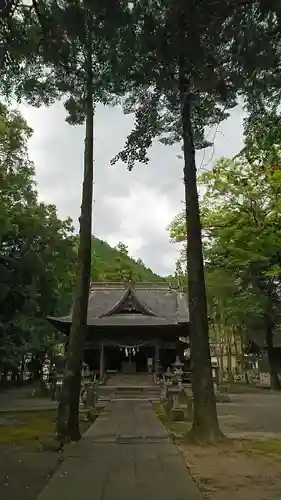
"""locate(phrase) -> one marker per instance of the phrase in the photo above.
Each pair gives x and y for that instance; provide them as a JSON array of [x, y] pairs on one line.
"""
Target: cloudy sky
[[133, 207]]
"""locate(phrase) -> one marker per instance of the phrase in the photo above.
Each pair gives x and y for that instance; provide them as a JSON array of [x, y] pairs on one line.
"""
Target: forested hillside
[[38, 255], [114, 264]]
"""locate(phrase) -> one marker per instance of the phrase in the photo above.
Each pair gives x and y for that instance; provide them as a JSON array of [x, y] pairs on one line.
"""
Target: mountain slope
[[114, 264]]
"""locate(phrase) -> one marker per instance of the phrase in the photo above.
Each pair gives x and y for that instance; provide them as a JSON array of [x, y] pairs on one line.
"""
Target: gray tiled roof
[[102, 301], [160, 302], [168, 305]]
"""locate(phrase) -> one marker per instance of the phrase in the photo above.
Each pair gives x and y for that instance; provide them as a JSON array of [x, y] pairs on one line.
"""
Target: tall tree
[[233, 309], [181, 85], [37, 256], [86, 76], [178, 90], [69, 57], [81, 108], [194, 58], [241, 220]]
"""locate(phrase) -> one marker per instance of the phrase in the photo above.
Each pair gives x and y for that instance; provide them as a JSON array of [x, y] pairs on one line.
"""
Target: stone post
[[101, 361]]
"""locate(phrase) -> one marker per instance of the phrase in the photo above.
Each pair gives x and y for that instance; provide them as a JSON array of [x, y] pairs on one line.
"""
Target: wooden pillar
[[101, 361], [65, 347], [156, 355]]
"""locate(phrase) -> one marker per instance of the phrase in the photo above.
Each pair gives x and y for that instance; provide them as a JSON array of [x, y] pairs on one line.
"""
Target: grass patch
[[232, 421], [177, 430], [243, 388], [36, 427], [268, 447], [19, 428]]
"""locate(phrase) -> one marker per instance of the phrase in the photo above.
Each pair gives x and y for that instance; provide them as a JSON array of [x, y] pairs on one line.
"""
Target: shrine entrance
[[128, 358], [132, 327]]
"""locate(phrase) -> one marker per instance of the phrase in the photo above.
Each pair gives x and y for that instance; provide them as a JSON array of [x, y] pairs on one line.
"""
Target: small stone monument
[[172, 405], [59, 382], [177, 371], [173, 390]]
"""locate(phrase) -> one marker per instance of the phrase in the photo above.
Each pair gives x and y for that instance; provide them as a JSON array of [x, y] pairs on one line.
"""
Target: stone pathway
[[125, 455]]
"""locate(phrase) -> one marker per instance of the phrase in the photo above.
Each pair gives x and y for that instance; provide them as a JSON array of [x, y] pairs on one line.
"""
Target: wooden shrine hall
[[132, 327]]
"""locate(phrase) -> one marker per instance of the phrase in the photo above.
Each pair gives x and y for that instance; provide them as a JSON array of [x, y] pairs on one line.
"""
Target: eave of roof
[[153, 301], [117, 285], [126, 320]]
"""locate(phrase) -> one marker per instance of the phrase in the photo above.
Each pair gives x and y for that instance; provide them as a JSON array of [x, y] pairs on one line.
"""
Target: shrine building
[[132, 327]]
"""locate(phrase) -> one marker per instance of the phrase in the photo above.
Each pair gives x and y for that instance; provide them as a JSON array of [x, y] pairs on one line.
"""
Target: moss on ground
[[20, 428], [242, 388], [177, 430], [265, 447], [36, 427]]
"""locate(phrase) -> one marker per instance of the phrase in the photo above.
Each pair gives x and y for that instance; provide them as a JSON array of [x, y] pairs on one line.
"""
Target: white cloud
[[144, 215], [144, 209], [133, 207]]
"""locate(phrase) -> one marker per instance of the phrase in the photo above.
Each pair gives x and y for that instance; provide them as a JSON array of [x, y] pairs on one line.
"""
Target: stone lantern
[[177, 371]]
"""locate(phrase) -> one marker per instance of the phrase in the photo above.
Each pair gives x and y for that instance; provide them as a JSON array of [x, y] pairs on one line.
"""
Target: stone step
[[153, 399], [139, 393], [105, 400], [133, 390], [107, 393], [130, 387]]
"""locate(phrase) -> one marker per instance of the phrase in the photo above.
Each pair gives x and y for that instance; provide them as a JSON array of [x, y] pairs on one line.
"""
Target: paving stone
[[124, 455]]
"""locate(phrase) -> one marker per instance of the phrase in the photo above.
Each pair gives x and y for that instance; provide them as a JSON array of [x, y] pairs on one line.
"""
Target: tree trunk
[[221, 348], [205, 421], [68, 411], [223, 339], [274, 380], [222, 358], [228, 341], [229, 364], [237, 352], [243, 362], [22, 368], [219, 352]]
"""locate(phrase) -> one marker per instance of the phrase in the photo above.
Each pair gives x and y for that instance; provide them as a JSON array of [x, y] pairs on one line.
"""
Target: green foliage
[[263, 138], [182, 86], [37, 257], [46, 53], [179, 279], [241, 212], [241, 224], [114, 264]]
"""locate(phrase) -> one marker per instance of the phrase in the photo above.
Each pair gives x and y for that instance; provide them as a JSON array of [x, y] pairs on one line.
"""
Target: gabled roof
[[133, 303], [129, 303]]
